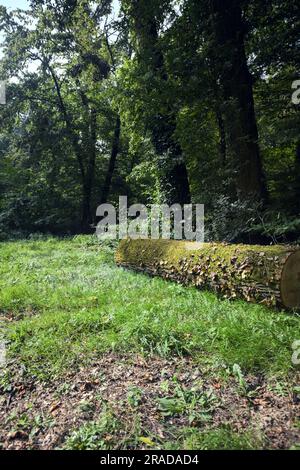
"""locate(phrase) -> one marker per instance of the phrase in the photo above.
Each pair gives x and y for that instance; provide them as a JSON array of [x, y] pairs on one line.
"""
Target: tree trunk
[[163, 125], [222, 133], [297, 178], [265, 274], [175, 179], [229, 30], [112, 162], [88, 182], [86, 175], [86, 219]]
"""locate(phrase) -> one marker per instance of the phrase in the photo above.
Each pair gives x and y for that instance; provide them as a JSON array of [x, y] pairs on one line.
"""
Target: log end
[[290, 281]]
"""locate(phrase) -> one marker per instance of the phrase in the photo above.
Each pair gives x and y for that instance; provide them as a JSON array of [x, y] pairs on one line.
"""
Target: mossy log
[[265, 274]]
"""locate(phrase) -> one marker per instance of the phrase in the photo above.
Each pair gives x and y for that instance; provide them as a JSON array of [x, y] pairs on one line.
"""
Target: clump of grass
[[81, 305], [107, 433], [94, 435], [223, 438]]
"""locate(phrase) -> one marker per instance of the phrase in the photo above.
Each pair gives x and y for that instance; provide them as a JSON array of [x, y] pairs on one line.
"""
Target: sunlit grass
[[222, 438], [71, 304]]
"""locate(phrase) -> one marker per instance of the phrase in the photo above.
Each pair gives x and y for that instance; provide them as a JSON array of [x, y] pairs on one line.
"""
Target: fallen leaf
[[147, 440], [54, 406]]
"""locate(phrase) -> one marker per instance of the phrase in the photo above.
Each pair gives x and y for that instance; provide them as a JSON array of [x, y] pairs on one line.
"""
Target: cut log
[[265, 274]]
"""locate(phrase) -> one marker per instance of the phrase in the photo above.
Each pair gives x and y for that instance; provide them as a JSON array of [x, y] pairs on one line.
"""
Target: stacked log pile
[[265, 274]]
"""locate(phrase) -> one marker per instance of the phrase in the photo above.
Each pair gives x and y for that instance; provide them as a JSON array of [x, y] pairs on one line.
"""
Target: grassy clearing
[[72, 303], [65, 304]]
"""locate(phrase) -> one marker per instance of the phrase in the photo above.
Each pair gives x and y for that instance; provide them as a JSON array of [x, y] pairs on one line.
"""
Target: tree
[[70, 49], [145, 18], [229, 30]]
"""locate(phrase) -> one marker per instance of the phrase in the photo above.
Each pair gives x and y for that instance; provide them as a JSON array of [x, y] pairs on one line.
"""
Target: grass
[[107, 434], [67, 304], [70, 303], [95, 435], [100, 435], [223, 438]]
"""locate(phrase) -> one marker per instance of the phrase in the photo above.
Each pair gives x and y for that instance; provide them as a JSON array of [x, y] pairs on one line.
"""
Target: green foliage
[[237, 372], [134, 396], [94, 435], [195, 403], [158, 67], [72, 70]]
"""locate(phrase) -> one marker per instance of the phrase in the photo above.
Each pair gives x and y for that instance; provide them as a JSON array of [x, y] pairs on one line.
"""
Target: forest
[[145, 344], [161, 101]]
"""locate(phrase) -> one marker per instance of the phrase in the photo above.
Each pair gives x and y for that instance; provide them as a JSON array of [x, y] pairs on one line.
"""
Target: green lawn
[[64, 304]]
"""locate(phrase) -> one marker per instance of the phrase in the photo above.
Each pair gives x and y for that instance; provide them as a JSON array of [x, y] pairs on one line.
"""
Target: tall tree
[[229, 30], [145, 18]]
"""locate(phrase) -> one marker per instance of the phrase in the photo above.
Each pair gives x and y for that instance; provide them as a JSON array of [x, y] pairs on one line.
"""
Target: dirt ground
[[40, 416]]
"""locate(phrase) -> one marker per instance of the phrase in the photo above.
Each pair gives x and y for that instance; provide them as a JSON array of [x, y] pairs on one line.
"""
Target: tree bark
[[297, 177], [229, 32], [112, 162], [88, 184], [163, 125], [222, 133]]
